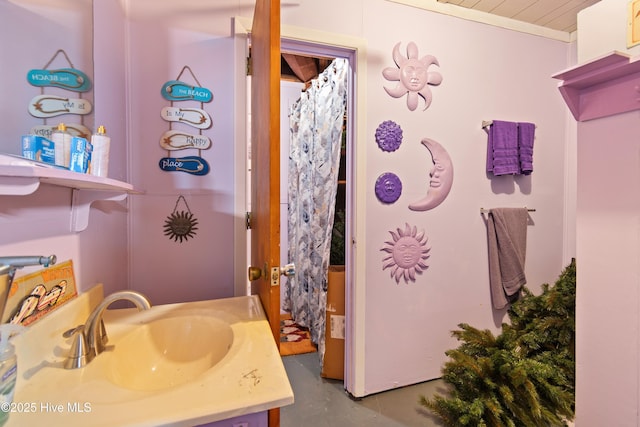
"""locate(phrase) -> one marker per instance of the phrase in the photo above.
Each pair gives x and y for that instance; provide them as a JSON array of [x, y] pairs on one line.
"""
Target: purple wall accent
[[388, 187]]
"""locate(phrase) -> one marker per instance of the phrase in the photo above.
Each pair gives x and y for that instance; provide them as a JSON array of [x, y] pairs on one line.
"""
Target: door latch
[[288, 270]]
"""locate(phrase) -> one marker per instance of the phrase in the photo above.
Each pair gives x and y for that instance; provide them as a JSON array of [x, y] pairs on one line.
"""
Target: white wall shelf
[[606, 86], [19, 177]]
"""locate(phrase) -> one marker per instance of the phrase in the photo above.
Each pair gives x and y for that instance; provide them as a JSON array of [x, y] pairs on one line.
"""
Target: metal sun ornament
[[180, 225], [413, 76], [407, 254]]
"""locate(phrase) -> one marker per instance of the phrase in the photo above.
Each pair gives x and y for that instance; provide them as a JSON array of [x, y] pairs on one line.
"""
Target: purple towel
[[502, 148], [526, 135]]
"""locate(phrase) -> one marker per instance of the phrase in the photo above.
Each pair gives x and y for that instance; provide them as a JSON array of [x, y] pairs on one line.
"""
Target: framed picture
[[32, 296], [633, 30]]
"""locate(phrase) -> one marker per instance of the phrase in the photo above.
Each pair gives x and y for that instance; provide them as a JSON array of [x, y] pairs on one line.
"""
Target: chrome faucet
[[91, 338]]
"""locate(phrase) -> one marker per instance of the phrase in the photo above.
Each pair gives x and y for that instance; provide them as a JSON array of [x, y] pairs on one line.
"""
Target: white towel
[[507, 241]]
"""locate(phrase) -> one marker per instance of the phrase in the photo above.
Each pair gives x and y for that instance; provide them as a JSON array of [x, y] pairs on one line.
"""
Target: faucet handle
[[79, 352]]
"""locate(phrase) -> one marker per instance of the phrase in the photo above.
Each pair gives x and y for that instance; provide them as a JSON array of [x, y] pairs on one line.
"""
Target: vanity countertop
[[249, 379]]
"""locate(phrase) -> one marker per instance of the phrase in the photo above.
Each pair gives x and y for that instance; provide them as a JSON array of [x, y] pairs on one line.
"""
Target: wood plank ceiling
[[555, 14]]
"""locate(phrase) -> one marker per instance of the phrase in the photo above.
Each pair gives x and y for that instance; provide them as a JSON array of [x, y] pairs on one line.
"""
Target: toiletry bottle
[[8, 369], [62, 141], [100, 153]]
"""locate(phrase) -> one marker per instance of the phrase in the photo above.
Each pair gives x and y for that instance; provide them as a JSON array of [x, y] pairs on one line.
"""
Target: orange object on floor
[[294, 339]]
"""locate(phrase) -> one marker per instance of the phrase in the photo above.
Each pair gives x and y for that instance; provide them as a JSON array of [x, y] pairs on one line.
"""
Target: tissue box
[[80, 154], [38, 148]]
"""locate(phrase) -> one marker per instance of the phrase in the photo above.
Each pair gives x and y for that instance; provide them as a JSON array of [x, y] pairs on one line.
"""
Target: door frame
[[302, 40]]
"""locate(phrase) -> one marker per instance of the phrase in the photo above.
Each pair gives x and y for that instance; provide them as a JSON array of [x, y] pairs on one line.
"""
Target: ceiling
[[554, 14], [558, 15]]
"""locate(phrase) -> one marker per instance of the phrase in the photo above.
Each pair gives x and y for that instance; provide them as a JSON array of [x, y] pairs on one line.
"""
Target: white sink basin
[[168, 352], [175, 365]]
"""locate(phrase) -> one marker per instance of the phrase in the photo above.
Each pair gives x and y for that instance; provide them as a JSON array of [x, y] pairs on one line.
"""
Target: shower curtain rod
[[483, 210]]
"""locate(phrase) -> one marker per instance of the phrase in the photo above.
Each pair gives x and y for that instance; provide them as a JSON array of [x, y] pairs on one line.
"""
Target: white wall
[[202, 266], [602, 28], [607, 300], [39, 224], [482, 81], [607, 346]]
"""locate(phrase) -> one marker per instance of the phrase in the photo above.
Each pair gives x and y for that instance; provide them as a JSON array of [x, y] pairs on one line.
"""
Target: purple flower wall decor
[[413, 76], [389, 135], [388, 187], [406, 254]]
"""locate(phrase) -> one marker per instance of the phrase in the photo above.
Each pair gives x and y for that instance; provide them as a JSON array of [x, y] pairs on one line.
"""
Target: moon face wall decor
[[441, 177], [413, 76], [406, 254]]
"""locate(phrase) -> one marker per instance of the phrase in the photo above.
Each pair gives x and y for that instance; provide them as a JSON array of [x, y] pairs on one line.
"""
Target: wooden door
[[265, 164], [265, 157]]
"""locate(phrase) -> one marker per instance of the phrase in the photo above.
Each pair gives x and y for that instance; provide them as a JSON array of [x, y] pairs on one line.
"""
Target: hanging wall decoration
[[75, 129], [180, 225], [177, 140], [407, 254], [174, 140], [65, 78], [440, 177], [195, 117], [46, 105], [175, 90], [413, 76], [389, 136], [43, 106], [388, 187], [194, 165]]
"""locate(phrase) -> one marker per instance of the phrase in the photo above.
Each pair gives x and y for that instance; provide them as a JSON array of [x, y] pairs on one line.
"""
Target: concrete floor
[[321, 402]]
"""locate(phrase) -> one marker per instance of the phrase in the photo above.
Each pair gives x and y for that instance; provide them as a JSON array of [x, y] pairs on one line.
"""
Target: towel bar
[[483, 210], [487, 123]]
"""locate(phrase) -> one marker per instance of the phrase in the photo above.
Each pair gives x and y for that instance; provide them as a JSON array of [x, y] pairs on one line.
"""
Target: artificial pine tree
[[522, 377]]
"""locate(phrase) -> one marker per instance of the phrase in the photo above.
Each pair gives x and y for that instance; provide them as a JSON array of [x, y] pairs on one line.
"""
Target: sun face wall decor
[[389, 136], [406, 254], [180, 225], [388, 187], [413, 76]]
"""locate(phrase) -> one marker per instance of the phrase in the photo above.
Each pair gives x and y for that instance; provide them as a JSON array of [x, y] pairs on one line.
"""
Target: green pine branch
[[525, 376]]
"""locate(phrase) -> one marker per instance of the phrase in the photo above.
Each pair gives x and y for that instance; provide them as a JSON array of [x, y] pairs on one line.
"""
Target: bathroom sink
[[167, 352], [182, 364]]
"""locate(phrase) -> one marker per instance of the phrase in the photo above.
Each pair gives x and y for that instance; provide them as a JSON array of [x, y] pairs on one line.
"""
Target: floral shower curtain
[[316, 122]]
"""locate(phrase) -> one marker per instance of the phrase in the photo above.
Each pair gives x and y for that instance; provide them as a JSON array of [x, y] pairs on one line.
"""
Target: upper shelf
[[20, 176], [603, 87]]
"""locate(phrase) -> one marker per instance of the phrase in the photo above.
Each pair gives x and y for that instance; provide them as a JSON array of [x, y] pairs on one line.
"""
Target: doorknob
[[288, 270], [254, 273]]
